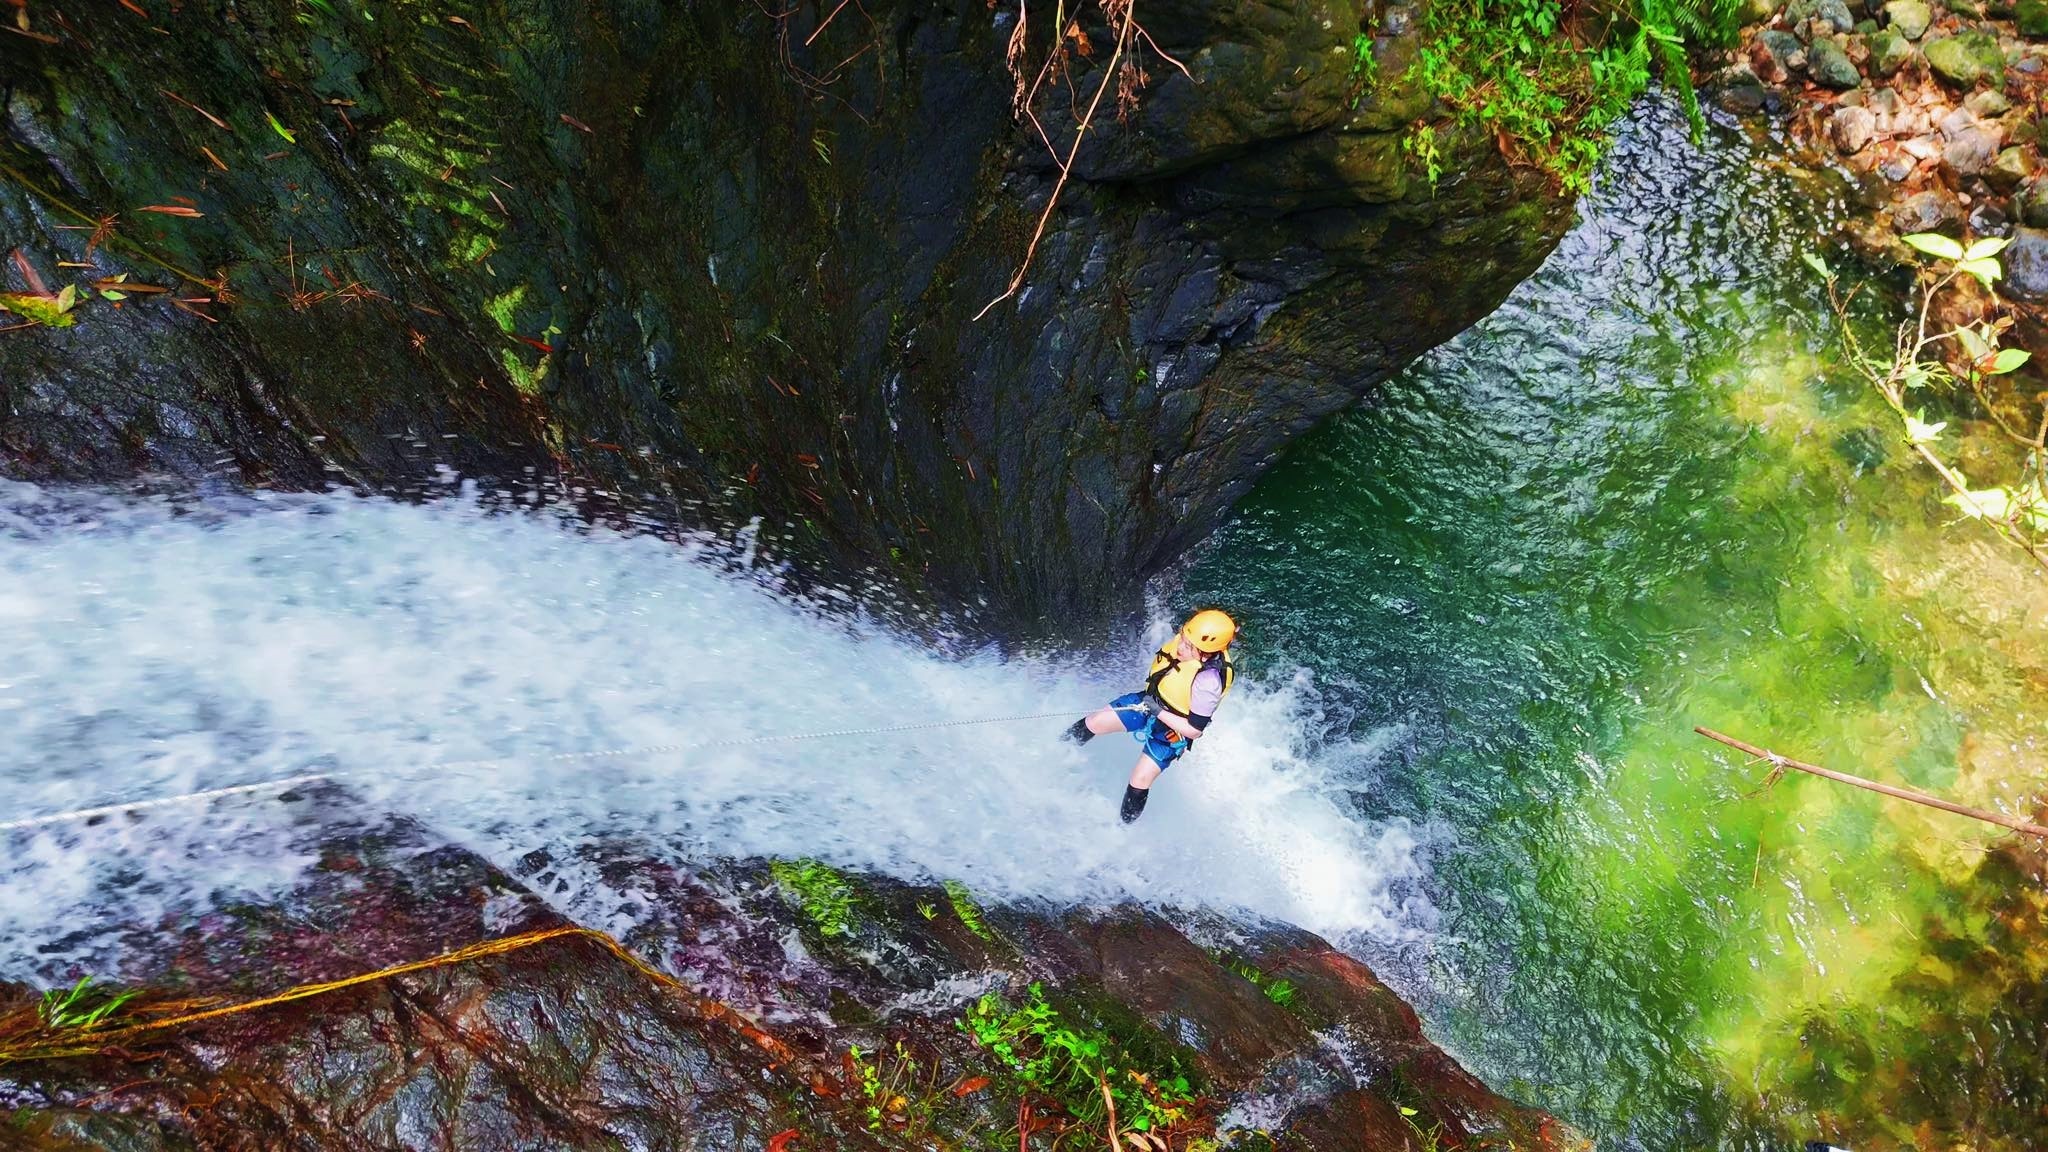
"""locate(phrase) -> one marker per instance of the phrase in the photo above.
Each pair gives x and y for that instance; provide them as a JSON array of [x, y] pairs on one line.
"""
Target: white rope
[[646, 750]]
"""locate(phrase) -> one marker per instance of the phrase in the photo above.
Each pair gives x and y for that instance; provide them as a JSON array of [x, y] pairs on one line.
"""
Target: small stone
[[1851, 129], [1898, 167], [1890, 52], [1833, 13], [1934, 210], [2026, 265], [1796, 61], [1967, 9], [1909, 18], [1989, 104], [1921, 148], [1758, 11], [1779, 49], [1970, 152], [2033, 204], [2007, 171], [1956, 121], [2032, 17], [1866, 27], [1830, 67], [1990, 219], [1967, 59], [1883, 101]]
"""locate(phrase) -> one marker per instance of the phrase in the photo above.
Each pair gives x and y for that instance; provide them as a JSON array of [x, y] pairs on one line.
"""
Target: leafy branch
[[1966, 355]]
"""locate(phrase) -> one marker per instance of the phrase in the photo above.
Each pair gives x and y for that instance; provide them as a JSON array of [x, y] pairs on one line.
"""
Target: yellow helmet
[[1210, 630]]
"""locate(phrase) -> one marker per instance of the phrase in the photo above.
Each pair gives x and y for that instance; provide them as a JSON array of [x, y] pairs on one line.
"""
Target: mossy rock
[[2031, 16], [1967, 59]]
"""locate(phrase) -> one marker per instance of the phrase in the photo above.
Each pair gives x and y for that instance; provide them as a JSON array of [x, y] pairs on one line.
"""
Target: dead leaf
[[579, 125], [781, 1141], [172, 210], [970, 1087]]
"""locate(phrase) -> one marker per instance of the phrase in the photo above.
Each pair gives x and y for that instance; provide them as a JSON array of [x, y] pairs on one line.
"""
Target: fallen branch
[[1780, 763]]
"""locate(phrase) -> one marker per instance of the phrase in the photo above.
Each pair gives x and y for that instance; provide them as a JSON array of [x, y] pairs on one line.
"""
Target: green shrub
[[1513, 69]]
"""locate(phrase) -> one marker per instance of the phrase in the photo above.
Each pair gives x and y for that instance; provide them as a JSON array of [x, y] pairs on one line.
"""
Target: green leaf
[[1918, 431], [1935, 244], [1985, 270], [285, 132], [1973, 344], [1985, 249], [68, 298], [1819, 265], [37, 309], [110, 294], [2009, 359], [1994, 503], [1407, 1111]]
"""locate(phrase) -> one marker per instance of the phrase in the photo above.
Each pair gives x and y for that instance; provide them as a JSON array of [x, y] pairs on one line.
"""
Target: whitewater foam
[[154, 647]]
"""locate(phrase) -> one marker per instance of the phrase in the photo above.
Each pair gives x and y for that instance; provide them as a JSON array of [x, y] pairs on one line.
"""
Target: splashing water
[[160, 647]]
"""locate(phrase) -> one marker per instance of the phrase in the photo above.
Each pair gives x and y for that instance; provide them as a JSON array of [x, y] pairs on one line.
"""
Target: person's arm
[[1184, 726]]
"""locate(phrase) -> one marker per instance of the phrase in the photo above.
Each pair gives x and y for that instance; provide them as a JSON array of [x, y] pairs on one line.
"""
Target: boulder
[[1774, 55], [2009, 169], [1934, 210], [1909, 18], [2033, 204], [1833, 13], [2026, 265], [1970, 151], [1988, 104], [1966, 59], [1851, 129], [1829, 65], [1759, 11], [673, 219], [1889, 52]]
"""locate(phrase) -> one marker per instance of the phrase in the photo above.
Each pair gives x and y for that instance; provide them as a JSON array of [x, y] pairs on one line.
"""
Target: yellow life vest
[[1172, 679]]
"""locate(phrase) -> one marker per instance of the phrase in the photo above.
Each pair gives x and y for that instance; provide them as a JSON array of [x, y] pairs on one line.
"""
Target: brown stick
[[1778, 761], [1109, 1102], [1123, 40]]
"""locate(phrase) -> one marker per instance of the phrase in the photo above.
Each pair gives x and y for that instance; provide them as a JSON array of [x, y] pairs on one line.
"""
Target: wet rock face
[[799, 1004], [700, 250]]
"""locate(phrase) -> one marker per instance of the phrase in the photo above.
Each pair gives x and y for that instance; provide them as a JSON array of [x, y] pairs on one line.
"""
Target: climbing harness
[[544, 758]]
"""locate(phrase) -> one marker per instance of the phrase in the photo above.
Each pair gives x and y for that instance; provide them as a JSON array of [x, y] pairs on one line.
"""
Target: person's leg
[[1124, 714], [1139, 789]]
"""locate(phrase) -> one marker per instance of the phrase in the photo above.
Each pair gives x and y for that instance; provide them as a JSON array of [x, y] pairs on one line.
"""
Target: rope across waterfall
[[544, 757]]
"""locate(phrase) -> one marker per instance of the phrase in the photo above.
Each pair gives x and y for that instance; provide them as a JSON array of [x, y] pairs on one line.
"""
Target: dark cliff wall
[[684, 246]]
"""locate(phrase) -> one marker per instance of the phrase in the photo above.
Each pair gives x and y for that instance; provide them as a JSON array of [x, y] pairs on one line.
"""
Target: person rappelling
[[1190, 675]]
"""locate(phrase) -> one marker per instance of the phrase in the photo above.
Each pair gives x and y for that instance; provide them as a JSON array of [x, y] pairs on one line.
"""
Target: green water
[[1638, 498]]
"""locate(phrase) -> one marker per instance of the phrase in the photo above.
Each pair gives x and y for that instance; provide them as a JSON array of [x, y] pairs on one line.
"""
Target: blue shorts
[[1162, 744]]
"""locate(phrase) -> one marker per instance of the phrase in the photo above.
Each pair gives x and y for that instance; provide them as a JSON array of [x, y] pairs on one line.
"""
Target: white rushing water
[[153, 647]]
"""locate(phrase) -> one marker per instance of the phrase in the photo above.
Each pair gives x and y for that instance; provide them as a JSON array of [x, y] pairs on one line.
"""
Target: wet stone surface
[[778, 1005]]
